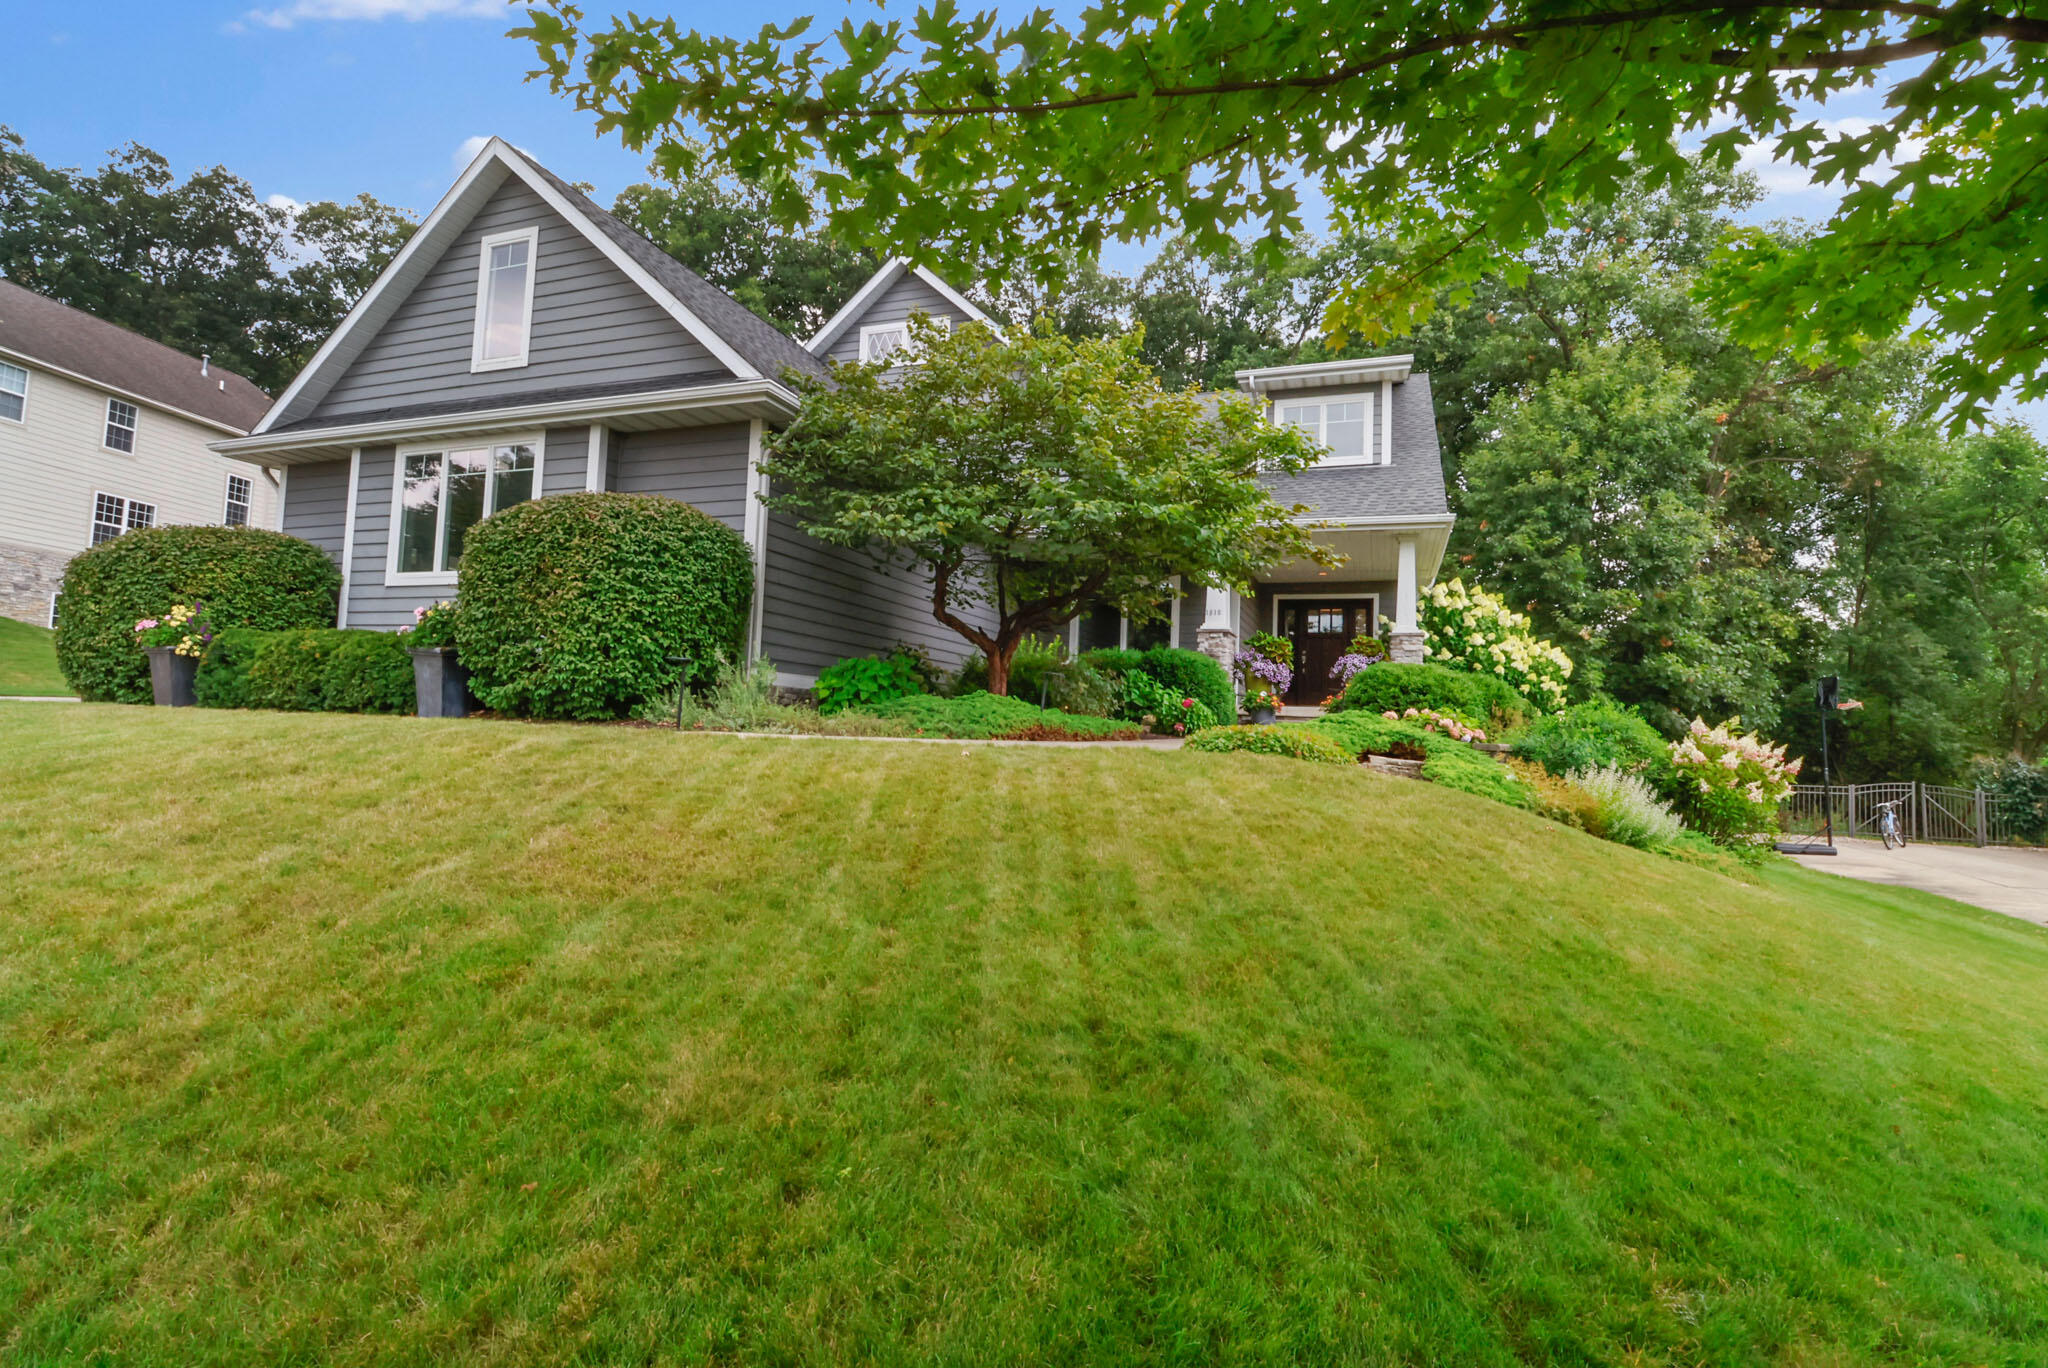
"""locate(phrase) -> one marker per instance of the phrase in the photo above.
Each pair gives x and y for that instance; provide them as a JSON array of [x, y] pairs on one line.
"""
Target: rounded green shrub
[[308, 670], [245, 576], [864, 681], [1597, 734], [1296, 743], [572, 604], [1453, 764], [368, 672], [1390, 687]]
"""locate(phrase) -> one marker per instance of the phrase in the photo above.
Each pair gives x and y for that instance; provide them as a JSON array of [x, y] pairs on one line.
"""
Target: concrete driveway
[[2000, 878]]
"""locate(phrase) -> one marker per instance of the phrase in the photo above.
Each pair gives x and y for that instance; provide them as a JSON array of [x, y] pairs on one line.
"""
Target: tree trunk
[[999, 672]]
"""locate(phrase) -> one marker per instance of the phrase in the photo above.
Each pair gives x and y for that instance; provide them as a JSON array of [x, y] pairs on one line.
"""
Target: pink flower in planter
[[145, 624]]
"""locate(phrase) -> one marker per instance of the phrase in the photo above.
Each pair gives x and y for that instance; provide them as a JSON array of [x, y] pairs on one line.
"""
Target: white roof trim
[[576, 411], [35, 362], [428, 237], [892, 270], [1323, 374]]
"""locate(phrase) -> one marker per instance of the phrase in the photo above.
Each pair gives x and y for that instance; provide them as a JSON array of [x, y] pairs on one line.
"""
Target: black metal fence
[[1927, 812]]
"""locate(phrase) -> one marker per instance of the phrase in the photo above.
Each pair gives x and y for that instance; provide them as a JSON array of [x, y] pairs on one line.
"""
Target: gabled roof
[[892, 271], [745, 345], [60, 338]]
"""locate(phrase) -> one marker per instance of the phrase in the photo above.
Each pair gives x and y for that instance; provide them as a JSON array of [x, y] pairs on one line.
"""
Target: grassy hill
[[28, 660], [344, 1040]]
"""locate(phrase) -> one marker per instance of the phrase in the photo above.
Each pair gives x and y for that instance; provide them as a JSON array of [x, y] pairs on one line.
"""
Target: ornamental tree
[[1031, 475], [1462, 130]]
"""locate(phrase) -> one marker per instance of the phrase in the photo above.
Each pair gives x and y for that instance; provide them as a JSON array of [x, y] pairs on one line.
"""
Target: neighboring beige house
[[103, 430]]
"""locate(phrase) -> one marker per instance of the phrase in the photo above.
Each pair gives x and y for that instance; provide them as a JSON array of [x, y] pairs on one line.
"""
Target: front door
[[1320, 632]]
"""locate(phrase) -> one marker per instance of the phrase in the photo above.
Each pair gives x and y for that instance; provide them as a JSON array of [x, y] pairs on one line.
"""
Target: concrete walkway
[[1999, 878], [36, 698]]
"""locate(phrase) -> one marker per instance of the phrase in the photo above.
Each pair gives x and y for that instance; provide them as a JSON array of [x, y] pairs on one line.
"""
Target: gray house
[[526, 343]]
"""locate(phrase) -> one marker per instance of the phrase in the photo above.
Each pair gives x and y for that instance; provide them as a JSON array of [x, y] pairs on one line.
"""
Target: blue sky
[[320, 99]]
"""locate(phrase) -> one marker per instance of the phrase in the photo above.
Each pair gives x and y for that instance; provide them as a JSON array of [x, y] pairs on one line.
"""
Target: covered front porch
[[1374, 590]]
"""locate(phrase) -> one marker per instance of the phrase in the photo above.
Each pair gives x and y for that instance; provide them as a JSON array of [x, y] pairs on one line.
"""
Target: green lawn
[[346, 1040], [28, 660]]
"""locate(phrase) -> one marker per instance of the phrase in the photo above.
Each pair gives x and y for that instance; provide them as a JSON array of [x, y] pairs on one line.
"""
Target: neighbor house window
[[1341, 426], [237, 514], [120, 425], [504, 299], [878, 341], [13, 392], [113, 515], [442, 494]]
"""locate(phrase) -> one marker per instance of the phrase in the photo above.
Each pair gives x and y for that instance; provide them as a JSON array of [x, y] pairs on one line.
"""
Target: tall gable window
[[504, 300], [13, 392], [879, 341], [445, 491], [120, 425], [1340, 424]]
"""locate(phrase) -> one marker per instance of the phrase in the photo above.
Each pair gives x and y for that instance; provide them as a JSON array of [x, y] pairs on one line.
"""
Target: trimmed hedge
[[1188, 674], [1295, 743], [1453, 764], [326, 670], [1592, 735], [246, 577], [1389, 686], [571, 604], [984, 716]]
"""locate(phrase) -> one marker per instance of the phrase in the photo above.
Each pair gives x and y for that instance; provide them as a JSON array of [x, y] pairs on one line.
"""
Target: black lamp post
[[681, 662], [1825, 695]]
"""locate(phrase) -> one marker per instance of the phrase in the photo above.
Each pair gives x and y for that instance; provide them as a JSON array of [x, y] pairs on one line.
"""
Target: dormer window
[[879, 341], [504, 300], [1340, 424]]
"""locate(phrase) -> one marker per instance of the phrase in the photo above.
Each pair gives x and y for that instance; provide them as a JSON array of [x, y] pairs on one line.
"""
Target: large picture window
[[504, 300], [1341, 425], [444, 492]]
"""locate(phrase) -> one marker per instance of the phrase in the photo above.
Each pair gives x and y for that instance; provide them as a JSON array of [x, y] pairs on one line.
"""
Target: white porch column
[[1217, 636], [1404, 643]]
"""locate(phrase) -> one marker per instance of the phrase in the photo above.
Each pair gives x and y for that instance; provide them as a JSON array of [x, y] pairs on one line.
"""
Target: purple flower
[[1251, 665], [1349, 665]]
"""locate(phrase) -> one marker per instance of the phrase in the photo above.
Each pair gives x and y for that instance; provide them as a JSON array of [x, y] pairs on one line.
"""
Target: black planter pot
[[440, 684], [1262, 717], [171, 676]]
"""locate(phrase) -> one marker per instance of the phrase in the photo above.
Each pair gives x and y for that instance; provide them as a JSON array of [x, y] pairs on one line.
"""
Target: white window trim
[[107, 422], [392, 574], [1278, 599], [227, 500], [944, 323], [26, 386], [531, 237], [1373, 447], [1123, 625], [51, 620], [127, 504]]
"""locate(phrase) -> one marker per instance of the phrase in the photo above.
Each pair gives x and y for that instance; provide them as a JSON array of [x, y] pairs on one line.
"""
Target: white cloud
[[312, 11], [1790, 181], [284, 202], [466, 152]]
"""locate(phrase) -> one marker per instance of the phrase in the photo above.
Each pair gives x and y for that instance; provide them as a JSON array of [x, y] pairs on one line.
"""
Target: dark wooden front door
[[1320, 632]]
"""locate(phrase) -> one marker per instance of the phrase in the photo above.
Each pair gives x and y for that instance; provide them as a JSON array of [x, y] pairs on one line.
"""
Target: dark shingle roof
[[765, 346], [70, 339], [1412, 486]]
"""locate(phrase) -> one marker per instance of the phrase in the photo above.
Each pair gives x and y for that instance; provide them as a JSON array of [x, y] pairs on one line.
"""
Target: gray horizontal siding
[[704, 466], [590, 323], [906, 296], [370, 602], [316, 505], [562, 468], [823, 604]]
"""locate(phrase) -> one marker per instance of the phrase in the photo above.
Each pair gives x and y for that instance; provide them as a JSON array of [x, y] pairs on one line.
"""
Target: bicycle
[[1888, 825]]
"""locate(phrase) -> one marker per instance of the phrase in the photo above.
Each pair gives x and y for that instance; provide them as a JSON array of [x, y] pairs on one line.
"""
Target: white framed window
[[1102, 626], [504, 299], [120, 425], [1341, 424], [237, 511], [440, 492], [880, 341], [112, 515], [13, 393]]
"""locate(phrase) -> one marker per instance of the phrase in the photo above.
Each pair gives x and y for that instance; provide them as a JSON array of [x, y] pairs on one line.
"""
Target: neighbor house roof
[[60, 338]]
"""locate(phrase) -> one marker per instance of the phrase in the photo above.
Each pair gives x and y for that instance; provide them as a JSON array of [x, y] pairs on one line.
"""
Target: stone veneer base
[[28, 578]]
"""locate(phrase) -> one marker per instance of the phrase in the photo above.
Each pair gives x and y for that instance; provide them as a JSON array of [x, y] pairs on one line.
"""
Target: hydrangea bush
[[1470, 629], [1729, 784]]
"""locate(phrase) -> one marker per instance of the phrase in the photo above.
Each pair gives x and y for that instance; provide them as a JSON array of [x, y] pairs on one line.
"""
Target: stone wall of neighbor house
[[28, 579]]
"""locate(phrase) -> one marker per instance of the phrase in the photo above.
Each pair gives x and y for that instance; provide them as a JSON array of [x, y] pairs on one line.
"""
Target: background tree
[[201, 265], [1033, 475], [1460, 132]]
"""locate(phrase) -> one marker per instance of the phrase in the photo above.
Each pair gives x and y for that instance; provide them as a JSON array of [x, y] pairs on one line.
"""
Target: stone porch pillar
[[1404, 643], [1217, 636]]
